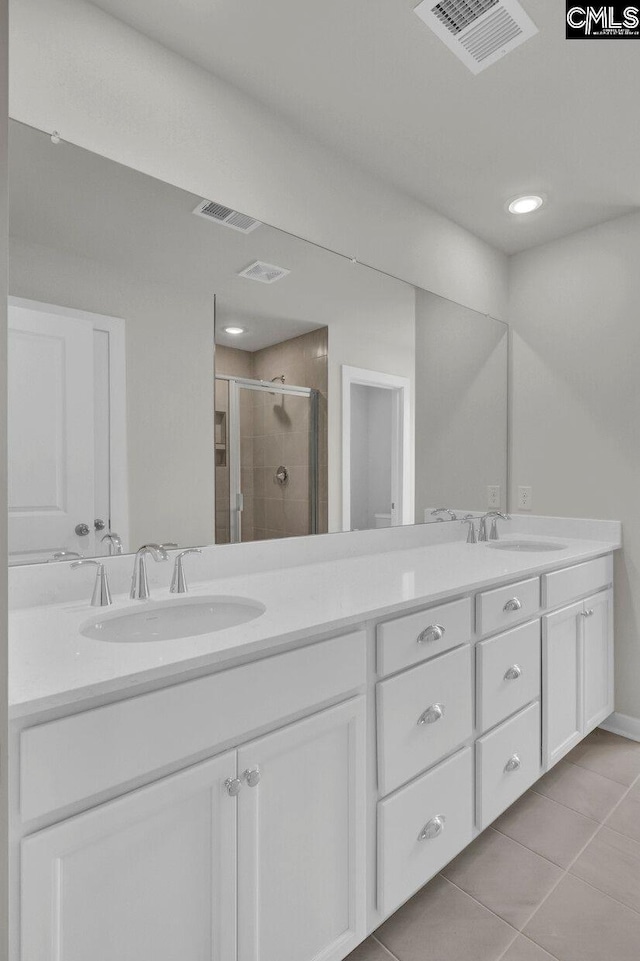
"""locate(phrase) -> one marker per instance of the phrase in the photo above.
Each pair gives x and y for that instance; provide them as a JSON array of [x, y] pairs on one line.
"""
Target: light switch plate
[[525, 499]]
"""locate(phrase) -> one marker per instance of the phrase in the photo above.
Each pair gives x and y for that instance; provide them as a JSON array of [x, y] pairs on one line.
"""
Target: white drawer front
[[71, 759], [507, 605], [422, 827], [408, 640], [561, 587], [507, 673], [507, 763], [423, 714]]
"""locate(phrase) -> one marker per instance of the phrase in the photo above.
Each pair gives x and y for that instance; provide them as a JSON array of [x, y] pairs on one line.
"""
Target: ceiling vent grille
[[479, 32], [264, 273], [210, 210]]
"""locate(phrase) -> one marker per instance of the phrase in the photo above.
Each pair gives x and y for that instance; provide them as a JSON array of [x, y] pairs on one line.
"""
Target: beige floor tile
[[579, 923], [608, 754], [524, 950], [504, 876], [440, 923], [546, 827], [626, 817], [611, 863], [369, 950], [584, 791]]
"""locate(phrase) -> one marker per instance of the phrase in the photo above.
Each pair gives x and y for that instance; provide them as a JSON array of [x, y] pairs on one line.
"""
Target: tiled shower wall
[[275, 432]]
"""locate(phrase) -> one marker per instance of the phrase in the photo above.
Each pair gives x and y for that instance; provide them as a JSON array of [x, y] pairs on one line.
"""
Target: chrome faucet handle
[[63, 556], [101, 596], [471, 534], [178, 581], [139, 582], [114, 541], [444, 510]]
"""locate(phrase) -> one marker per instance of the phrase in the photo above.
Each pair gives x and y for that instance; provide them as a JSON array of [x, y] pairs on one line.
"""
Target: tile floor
[[555, 878]]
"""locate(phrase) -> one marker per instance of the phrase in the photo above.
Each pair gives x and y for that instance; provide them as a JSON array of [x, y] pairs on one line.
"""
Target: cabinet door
[[597, 628], [301, 841], [561, 686], [151, 875]]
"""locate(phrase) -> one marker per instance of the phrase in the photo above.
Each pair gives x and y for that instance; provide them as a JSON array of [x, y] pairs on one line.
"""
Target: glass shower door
[[273, 460]]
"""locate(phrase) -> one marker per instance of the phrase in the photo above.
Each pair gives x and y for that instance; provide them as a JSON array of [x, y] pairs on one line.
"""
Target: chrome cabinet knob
[[513, 764], [432, 828], [514, 604], [432, 714], [252, 776], [588, 613], [82, 530], [432, 633], [233, 786], [513, 673]]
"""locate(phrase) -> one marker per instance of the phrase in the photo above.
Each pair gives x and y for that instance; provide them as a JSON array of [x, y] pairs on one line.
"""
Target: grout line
[[383, 946], [483, 906]]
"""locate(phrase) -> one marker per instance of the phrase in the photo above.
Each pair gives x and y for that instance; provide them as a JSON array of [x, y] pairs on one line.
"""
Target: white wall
[[575, 417], [109, 89], [371, 425], [169, 342], [4, 948]]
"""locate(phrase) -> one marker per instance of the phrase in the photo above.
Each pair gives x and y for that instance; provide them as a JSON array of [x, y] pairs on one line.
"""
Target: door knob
[[99, 524], [82, 530]]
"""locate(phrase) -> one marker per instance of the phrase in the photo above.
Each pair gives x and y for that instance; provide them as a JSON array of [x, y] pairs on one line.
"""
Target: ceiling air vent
[[226, 216], [478, 31], [264, 273]]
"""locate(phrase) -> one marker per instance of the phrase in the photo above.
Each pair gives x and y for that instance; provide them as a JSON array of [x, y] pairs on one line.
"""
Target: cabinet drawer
[[507, 673], [423, 714], [507, 605], [407, 640], [560, 587], [507, 763], [422, 827], [74, 758]]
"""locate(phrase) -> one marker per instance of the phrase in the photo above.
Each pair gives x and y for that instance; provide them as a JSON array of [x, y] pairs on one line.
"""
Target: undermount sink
[[531, 546], [171, 620]]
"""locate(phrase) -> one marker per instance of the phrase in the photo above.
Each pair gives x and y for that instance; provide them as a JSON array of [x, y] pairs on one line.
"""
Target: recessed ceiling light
[[234, 330], [525, 205]]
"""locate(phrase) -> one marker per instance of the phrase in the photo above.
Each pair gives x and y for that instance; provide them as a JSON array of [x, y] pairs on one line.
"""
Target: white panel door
[[149, 876], [50, 434], [597, 641], [561, 683], [301, 841]]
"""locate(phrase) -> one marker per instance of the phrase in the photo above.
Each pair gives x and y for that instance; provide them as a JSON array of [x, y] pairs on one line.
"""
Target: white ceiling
[[68, 198], [368, 78]]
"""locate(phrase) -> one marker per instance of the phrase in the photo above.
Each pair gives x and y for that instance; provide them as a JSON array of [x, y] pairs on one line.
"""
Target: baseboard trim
[[622, 724]]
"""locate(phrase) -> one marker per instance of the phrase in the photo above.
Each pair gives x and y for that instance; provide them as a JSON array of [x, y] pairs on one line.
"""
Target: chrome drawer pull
[[432, 633], [513, 673], [512, 764], [432, 714], [514, 604], [432, 828]]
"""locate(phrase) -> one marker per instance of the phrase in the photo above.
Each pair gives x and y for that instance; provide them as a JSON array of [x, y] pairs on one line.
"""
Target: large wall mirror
[[180, 373]]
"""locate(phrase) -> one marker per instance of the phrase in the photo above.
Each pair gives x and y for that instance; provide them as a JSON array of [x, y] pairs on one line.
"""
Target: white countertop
[[52, 664]]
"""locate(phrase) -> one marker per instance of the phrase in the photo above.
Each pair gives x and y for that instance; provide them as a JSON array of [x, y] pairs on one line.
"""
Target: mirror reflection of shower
[[271, 439]]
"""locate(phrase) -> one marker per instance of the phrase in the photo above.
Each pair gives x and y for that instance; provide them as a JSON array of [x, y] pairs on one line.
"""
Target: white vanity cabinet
[[577, 665], [151, 875], [164, 872]]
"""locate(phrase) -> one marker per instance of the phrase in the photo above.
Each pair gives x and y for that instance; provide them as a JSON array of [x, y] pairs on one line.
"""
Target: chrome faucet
[[471, 534], [444, 510], [178, 581], [493, 535], [114, 542], [101, 596], [63, 556], [139, 583]]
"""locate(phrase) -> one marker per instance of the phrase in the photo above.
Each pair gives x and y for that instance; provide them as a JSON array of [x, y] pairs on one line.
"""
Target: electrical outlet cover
[[493, 495], [525, 498]]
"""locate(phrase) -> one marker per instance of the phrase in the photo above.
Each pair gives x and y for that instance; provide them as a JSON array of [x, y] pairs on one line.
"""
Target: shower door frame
[[236, 497]]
